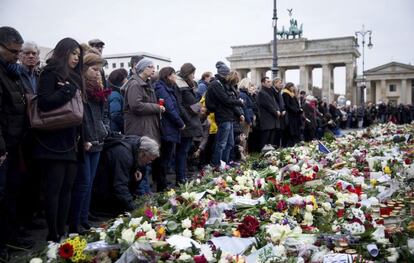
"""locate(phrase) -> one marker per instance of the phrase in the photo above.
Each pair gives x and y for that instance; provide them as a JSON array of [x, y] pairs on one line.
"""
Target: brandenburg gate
[[305, 55]]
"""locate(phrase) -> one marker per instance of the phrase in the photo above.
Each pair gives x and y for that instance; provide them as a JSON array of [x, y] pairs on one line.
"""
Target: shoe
[[86, 226]]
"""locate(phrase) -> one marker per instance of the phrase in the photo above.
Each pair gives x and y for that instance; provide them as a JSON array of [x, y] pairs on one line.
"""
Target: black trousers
[[266, 137], [11, 172], [59, 177]]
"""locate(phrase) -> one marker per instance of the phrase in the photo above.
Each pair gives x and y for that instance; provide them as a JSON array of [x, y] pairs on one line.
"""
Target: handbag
[[68, 115]]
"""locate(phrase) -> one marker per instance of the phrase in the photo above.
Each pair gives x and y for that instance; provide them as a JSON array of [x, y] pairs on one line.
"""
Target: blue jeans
[[224, 143], [181, 157], [82, 189], [144, 185]]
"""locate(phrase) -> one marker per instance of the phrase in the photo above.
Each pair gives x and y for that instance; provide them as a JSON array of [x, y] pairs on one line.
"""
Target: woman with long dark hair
[[171, 122], [190, 113], [294, 112], [58, 150]]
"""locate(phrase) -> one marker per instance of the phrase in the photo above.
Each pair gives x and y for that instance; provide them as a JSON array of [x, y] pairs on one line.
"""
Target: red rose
[[340, 213], [281, 206], [200, 259], [66, 251], [408, 161], [248, 227], [140, 234], [315, 168]]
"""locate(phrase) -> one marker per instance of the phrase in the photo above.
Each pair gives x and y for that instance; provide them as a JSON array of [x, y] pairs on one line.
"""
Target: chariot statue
[[293, 30]]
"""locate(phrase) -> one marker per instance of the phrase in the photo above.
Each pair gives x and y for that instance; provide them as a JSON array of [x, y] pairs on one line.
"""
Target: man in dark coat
[[13, 125], [269, 112], [123, 161], [279, 137]]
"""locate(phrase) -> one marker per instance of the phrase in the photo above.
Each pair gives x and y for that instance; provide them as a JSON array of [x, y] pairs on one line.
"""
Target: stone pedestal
[[350, 88]]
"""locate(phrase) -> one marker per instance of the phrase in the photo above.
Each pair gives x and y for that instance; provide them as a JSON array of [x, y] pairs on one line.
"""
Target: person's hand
[[182, 128], [197, 153], [242, 118], [278, 113], [137, 175], [283, 113], [3, 158], [162, 108], [242, 101], [87, 146]]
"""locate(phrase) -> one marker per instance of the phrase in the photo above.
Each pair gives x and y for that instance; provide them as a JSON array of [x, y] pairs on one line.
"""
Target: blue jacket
[[171, 121], [201, 89], [116, 105], [248, 106]]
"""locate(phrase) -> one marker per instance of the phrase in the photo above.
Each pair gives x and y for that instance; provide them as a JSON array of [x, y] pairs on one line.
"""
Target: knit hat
[[96, 42], [222, 69], [186, 70], [92, 59], [143, 64], [117, 76]]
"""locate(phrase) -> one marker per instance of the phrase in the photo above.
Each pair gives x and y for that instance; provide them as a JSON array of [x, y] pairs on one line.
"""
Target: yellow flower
[[373, 182], [161, 231], [387, 170], [296, 210], [315, 205]]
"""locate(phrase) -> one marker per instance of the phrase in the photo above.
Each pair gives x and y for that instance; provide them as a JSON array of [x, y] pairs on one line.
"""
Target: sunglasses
[[13, 51]]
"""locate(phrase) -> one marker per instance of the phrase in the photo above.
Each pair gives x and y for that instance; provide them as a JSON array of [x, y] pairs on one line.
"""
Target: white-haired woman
[[248, 107]]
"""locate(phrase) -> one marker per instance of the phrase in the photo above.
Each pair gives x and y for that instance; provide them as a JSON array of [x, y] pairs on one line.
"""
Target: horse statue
[[293, 30]]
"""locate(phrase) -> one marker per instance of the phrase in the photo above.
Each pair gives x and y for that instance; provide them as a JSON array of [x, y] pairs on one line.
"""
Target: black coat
[[121, 164], [228, 105], [294, 113], [62, 144], [267, 109], [13, 118], [190, 110]]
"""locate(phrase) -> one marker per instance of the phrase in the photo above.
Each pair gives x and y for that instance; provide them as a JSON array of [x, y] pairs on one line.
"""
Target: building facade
[[392, 82], [116, 61], [305, 55]]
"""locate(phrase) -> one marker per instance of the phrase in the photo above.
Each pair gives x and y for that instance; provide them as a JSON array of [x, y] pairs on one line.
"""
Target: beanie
[[222, 69], [142, 65]]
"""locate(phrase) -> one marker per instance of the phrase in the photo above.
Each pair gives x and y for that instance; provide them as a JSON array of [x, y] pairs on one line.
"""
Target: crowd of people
[[137, 125]]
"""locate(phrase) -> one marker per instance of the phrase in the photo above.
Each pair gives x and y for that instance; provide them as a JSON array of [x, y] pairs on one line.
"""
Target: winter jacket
[[171, 121], [116, 106], [29, 79], [248, 106], [13, 120], [93, 127], [267, 109], [228, 105], [190, 110], [294, 112], [201, 89], [141, 109]]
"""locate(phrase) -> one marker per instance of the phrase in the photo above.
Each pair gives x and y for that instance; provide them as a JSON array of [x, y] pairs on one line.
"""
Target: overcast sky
[[202, 31]]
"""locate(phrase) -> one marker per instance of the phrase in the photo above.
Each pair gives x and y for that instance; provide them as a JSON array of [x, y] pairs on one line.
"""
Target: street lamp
[[363, 33], [274, 24]]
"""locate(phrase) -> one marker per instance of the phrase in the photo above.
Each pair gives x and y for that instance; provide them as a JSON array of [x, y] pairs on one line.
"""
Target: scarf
[[13, 69], [288, 92], [95, 90]]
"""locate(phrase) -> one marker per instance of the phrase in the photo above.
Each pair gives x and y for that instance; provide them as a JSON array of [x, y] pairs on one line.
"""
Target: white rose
[[186, 223], [327, 206], [199, 233], [308, 219], [309, 208], [52, 250], [276, 217], [151, 234], [229, 179], [186, 195], [278, 233], [135, 222], [237, 187], [193, 196], [36, 260], [185, 257], [295, 168], [146, 226], [102, 235], [187, 233], [128, 235], [392, 258]]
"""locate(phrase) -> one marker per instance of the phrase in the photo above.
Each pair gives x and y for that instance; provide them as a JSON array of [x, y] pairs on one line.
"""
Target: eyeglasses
[[151, 66], [13, 51]]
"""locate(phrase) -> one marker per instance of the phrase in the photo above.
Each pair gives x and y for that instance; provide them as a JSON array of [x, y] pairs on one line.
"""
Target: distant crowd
[[137, 125]]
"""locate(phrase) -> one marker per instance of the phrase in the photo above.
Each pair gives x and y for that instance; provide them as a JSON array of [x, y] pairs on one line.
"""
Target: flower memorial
[[355, 203]]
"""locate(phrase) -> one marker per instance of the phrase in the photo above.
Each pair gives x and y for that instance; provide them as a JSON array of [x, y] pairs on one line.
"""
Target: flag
[[322, 148]]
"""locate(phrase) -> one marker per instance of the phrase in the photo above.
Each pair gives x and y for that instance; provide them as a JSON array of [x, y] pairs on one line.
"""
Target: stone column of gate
[[305, 78], [350, 89], [403, 96], [281, 73], [255, 76], [242, 72], [327, 82], [370, 93], [383, 90]]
